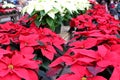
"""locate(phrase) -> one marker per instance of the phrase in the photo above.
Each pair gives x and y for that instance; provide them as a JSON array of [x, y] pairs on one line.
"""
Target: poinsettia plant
[[51, 13], [6, 9], [8, 5], [93, 52], [31, 53], [26, 52]]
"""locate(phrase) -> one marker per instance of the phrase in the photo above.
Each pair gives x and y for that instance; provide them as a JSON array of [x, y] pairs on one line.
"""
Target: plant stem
[[109, 71], [60, 73]]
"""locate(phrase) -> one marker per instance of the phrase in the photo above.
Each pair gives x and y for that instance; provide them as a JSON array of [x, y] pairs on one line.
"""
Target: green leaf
[[43, 75], [42, 13], [14, 46], [41, 43], [50, 23], [45, 63], [37, 22], [33, 13], [117, 35], [52, 13]]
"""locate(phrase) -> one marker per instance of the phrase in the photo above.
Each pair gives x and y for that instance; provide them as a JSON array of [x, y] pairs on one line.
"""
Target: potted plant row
[[52, 13]]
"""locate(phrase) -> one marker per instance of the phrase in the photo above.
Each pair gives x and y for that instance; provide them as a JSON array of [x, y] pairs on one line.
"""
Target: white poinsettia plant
[[52, 12], [8, 5]]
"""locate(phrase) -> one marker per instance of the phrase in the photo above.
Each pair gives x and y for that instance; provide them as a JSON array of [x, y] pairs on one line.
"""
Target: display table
[[13, 17], [8, 13]]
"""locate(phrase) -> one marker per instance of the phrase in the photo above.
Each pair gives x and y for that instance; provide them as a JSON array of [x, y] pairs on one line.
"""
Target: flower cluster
[[18, 46], [51, 7], [7, 9], [93, 52], [52, 12], [8, 5]]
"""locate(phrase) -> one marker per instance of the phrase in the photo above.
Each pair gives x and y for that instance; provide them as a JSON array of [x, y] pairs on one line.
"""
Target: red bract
[[3, 52], [19, 45], [48, 51], [26, 19], [49, 37], [17, 66], [88, 43], [93, 52], [97, 78], [115, 48], [27, 52], [79, 70], [10, 28], [76, 59], [111, 59], [47, 41], [9, 31], [74, 22], [83, 73], [36, 38], [103, 55], [5, 11], [4, 39], [96, 19], [69, 77], [29, 40]]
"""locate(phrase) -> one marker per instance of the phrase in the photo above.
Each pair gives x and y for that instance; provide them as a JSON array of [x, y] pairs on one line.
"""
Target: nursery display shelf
[[13, 17]]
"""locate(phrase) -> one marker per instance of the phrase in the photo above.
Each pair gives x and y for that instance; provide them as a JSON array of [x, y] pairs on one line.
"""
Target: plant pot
[[58, 29], [65, 23]]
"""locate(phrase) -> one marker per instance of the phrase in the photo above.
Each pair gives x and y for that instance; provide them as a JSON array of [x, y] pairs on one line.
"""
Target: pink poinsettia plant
[[93, 52]]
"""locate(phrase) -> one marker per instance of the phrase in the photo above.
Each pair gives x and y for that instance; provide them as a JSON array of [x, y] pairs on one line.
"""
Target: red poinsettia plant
[[31, 53], [6, 9], [24, 51], [93, 52]]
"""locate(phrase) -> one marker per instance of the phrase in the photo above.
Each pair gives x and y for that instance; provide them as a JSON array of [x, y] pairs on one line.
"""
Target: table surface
[[9, 17]]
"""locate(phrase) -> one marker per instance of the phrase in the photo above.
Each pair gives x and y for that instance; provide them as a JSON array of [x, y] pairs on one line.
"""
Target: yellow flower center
[[82, 46], [26, 44], [84, 78], [100, 58], [11, 66]]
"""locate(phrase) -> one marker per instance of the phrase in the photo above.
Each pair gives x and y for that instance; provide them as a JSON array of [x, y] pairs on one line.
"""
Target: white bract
[[8, 5], [52, 7]]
